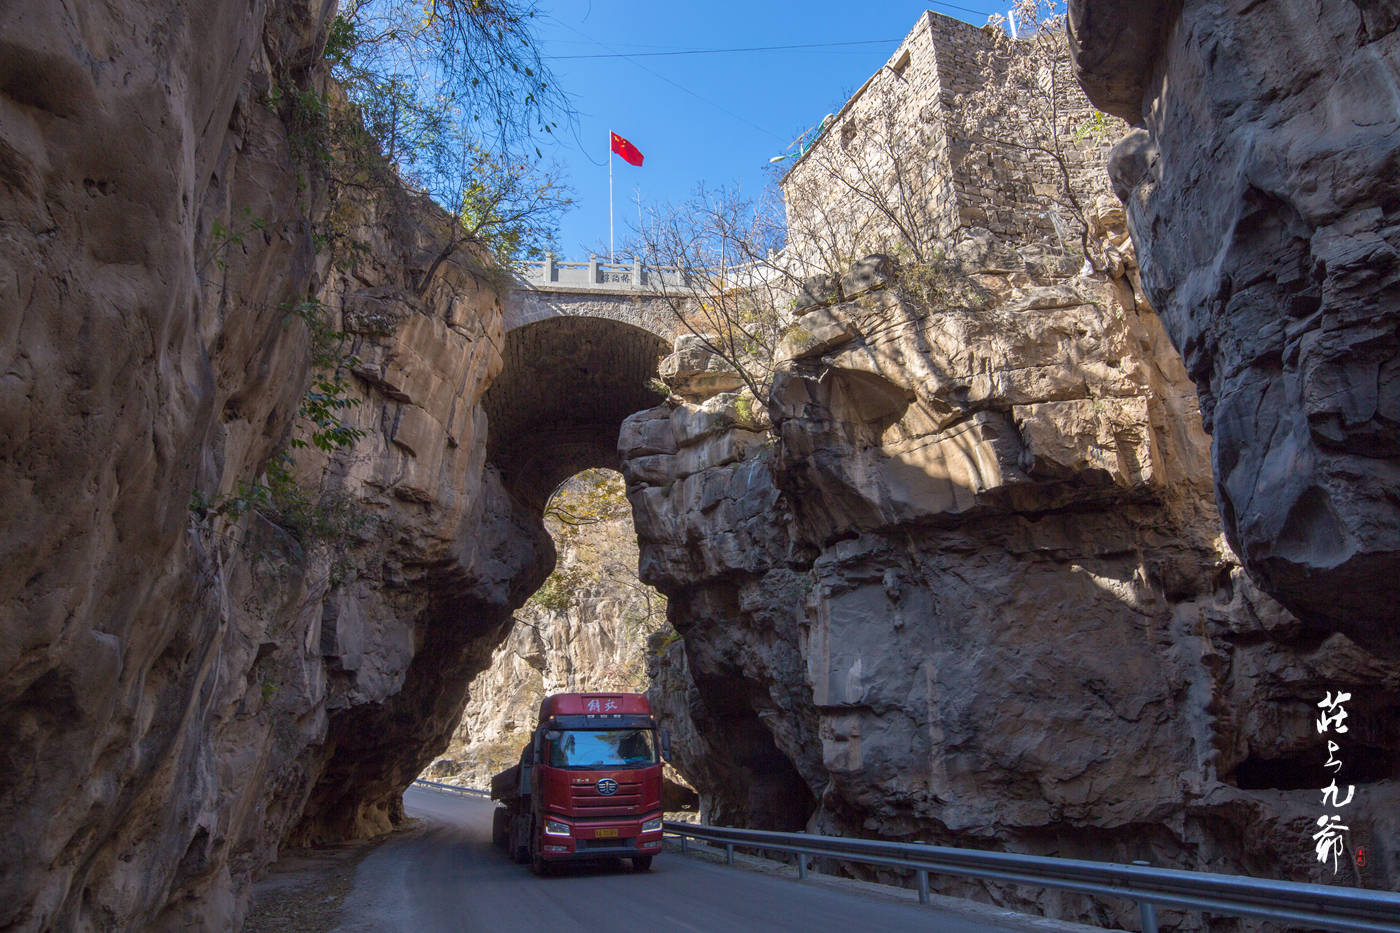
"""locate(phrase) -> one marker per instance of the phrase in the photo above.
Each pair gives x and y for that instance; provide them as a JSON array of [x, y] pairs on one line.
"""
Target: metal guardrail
[[1313, 905], [452, 788]]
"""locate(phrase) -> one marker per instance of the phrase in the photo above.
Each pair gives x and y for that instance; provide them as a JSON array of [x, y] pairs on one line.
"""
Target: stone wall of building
[[962, 128]]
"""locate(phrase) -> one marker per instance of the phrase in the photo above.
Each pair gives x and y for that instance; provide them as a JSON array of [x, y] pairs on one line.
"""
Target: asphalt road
[[446, 876]]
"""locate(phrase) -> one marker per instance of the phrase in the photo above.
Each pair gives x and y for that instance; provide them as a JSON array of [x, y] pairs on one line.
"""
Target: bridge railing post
[[547, 275], [636, 272], [592, 269]]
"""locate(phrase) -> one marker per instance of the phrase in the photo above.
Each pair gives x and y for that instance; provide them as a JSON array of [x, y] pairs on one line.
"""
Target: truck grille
[[582, 845], [589, 803]]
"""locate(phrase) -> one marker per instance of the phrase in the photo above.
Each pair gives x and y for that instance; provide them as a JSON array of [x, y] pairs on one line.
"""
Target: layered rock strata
[[970, 588], [1261, 185]]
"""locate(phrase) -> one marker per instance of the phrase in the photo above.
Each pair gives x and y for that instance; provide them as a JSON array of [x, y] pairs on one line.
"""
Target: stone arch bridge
[[583, 339]]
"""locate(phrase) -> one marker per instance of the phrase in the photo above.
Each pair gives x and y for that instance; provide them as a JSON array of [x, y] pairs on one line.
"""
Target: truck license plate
[[604, 833]]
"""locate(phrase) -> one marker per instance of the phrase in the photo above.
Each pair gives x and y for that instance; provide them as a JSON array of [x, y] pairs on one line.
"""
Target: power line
[[755, 48], [960, 9], [674, 84]]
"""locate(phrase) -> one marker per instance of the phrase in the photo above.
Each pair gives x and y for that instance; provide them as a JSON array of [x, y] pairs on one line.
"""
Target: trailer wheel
[[641, 862], [500, 827]]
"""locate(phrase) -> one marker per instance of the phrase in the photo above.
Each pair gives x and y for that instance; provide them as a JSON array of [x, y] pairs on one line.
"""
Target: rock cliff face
[[181, 688], [969, 587], [1262, 190]]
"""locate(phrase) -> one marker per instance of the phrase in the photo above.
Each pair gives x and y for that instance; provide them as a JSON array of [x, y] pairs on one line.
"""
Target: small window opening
[[901, 64]]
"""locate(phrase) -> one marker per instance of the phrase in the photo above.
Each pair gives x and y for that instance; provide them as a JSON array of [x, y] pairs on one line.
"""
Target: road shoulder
[[303, 891]]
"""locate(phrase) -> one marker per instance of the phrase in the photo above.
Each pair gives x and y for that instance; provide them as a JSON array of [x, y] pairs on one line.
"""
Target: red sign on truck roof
[[594, 704]]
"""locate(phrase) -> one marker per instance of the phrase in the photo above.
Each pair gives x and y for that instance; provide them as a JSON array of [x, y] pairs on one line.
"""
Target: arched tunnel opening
[[593, 626], [555, 411], [566, 385]]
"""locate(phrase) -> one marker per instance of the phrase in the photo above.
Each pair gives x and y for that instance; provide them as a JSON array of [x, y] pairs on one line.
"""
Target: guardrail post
[[801, 866], [684, 840], [1149, 916], [1146, 909], [923, 885], [729, 853]]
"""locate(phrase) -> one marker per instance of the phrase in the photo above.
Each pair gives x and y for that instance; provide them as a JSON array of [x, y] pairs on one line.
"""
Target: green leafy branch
[[224, 237], [277, 495]]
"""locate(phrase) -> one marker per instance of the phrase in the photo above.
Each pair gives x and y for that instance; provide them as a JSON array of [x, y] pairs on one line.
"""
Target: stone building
[[963, 128]]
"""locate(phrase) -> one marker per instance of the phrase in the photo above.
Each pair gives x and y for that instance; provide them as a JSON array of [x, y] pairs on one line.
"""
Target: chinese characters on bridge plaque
[[1330, 839]]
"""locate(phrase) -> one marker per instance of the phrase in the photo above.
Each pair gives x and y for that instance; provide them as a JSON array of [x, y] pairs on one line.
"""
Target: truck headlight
[[651, 825], [555, 828]]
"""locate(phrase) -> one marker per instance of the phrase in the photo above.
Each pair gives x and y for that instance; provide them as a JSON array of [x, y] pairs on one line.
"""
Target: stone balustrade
[[596, 274]]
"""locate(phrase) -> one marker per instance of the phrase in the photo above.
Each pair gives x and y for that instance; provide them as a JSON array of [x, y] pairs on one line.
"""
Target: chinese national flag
[[625, 149]]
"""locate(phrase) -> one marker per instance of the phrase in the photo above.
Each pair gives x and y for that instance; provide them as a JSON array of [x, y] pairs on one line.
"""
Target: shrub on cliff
[[736, 281], [446, 98]]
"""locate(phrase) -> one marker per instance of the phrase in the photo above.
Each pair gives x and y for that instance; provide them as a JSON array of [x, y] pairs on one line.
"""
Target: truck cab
[[587, 786]]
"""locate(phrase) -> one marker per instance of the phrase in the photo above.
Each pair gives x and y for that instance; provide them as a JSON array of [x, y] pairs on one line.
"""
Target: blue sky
[[712, 118]]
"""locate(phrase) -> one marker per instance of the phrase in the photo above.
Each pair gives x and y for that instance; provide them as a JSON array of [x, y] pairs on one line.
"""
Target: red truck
[[588, 784]]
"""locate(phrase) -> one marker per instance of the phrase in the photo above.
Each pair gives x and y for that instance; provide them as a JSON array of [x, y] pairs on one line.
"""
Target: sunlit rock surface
[[1261, 190], [972, 589]]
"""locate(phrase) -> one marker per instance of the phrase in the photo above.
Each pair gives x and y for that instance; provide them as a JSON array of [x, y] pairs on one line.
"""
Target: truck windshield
[[603, 748]]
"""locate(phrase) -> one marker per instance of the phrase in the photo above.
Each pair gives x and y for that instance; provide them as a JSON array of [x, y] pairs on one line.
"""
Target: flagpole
[[610, 203]]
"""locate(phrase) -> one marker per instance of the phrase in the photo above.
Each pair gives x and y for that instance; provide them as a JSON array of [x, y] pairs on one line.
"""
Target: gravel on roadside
[[303, 890]]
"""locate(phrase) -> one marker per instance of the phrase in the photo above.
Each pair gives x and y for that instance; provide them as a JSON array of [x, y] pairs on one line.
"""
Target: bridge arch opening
[[555, 412], [565, 387]]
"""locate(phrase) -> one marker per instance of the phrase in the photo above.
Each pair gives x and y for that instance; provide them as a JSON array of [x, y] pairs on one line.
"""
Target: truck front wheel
[[537, 863], [641, 863], [500, 827]]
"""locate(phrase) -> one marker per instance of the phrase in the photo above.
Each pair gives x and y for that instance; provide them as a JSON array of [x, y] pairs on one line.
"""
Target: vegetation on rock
[[447, 98], [736, 281]]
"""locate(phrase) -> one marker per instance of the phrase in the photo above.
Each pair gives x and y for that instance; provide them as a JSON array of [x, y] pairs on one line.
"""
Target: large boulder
[[695, 371]]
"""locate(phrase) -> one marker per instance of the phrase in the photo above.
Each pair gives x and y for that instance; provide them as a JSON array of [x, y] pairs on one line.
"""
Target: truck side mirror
[[665, 743], [553, 735]]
